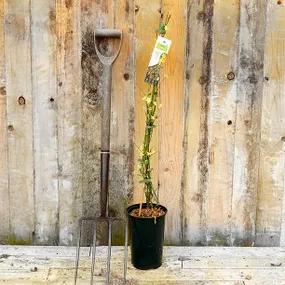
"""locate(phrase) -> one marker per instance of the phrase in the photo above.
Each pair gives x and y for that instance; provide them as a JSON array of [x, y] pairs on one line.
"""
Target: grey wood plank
[[248, 119], [19, 120], [43, 35], [4, 170]]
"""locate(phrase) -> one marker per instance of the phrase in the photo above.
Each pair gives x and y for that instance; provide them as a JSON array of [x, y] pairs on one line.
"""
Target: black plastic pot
[[146, 236]]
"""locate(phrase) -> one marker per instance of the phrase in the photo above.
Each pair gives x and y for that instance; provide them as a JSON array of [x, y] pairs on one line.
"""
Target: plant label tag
[[158, 56]]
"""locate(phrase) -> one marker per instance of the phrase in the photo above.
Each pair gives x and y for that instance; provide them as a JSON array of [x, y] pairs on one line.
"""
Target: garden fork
[[107, 62]]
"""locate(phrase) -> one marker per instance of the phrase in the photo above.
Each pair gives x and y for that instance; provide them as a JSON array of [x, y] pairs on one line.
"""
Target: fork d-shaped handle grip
[[111, 33], [108, 33]]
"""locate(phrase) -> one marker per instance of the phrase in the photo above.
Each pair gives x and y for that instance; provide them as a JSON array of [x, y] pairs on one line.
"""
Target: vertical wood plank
[[171, 122], [45, 121], [144, 43], [69, 119], [19, 119], [108, 14], [4, 194], [222, 107], [271, 169], [282, 223], [196, 140], [247, 132], [122, 124], [98, 14]]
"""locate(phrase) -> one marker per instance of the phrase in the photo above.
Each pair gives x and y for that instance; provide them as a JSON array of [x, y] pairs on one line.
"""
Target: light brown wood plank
[[69, 119], [19, 120], [222, 107], [247, 131], [171, 122], [45, 120], [122, 127], [4, 194], [145, 37], [271, 169], [194, 219]]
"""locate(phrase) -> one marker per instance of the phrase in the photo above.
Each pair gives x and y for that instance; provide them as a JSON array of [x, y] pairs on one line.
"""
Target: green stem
[[145, 159]]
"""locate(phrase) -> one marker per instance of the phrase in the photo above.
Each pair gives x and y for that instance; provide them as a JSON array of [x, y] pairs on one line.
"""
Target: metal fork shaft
[[105, 158], [78, 252], [109, 252], [126, 252], [93, 253]]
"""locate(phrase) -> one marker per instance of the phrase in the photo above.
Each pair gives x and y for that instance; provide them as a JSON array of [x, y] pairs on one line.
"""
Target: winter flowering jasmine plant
[[151, 108]]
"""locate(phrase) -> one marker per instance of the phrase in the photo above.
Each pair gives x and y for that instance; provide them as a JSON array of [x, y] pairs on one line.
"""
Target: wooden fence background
[[220, 162]]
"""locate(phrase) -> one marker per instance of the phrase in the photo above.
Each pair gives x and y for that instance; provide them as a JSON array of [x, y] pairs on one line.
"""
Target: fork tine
[[126, 252], [78, 251], [93, 252], [109, 252]]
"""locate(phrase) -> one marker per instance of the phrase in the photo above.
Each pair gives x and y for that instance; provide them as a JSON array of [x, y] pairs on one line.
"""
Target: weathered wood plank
[[171, 253], [98, 14], [271, 168], [247, 130], [222, 107], [171, 123], [282, 224], [69, 119], [19, 119], [144, 43], [197, 69], [119, 15], [4, 194], [203, 265], [45, 120], [122, 128]]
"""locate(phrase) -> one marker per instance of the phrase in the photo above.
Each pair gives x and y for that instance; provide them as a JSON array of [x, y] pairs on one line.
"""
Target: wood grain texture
[[98, 14], [119, 15], [220, 142], [201, 265], [45, 120], [271, 167], [4, 193], [247, 130], [69, 119], [221, 122], [205, 81], [192, 198], [282, 224], [144, 43], [122, 124], [19, 120], [171, 123]]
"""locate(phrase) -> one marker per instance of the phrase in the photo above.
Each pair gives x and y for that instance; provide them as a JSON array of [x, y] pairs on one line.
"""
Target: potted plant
[[147, 220]]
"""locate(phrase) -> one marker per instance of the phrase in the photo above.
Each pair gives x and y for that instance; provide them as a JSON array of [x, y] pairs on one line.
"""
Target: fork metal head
[[95, 221]]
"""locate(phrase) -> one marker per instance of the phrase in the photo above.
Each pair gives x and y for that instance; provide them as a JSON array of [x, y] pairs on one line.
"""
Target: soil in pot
[[146, 235]]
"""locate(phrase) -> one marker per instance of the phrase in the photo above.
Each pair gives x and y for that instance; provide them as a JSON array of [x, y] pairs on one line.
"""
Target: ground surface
[[182, 265]]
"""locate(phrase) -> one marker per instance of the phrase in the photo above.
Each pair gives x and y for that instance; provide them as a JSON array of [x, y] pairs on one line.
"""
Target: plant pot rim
[[135, 206]]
